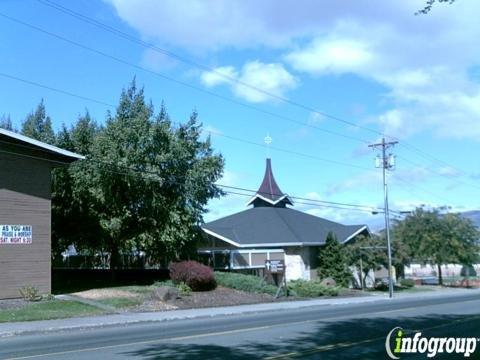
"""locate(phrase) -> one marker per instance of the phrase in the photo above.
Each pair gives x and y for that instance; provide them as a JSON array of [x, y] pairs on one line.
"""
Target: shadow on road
[[361, 338]]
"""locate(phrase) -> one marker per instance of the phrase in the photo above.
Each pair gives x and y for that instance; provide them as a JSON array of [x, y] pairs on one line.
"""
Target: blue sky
[[370, 63]]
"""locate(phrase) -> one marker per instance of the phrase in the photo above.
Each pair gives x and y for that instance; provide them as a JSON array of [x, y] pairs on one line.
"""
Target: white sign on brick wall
[[16, 234]]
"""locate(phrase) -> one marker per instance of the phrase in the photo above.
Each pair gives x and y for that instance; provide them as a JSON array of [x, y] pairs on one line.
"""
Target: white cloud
[[332, 56], [438, 96], [220, 75], [315, 118], [331, 214], [230, 203], [313, 195], [422, 61], [224, 206], [270, 78], [449, 171], [411, 175], [230, 178], [366, 180], [157, 61], [212, 131]]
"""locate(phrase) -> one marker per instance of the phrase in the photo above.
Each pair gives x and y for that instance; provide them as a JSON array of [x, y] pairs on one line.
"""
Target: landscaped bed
[[143, 298], [231, 289]]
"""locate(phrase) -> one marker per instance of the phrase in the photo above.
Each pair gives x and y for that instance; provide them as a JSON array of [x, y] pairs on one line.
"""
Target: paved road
[[350, 331]]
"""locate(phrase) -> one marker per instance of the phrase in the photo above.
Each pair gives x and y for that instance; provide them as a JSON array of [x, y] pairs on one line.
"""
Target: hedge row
[[249, 283], [304, 288]]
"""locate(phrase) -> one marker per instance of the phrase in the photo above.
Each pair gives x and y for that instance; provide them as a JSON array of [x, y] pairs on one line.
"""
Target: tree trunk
[[440, 278], [361, 274], [400, 270], [114, 262]]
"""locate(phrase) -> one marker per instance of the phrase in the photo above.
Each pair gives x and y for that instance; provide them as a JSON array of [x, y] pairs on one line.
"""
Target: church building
[[272, 230]]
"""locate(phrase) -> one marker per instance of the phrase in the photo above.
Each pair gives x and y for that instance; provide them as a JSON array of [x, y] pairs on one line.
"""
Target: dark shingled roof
[[273, 226]]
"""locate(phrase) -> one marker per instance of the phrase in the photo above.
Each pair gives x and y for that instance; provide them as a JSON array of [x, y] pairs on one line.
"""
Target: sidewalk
[[30, 327]]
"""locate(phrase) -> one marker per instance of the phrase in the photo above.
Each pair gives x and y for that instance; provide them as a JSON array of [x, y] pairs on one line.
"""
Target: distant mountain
[[473, 215], [378, 224]]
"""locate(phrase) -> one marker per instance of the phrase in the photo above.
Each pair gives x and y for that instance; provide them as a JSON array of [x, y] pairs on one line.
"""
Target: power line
[[69, 93], [29, 82], [369, 207], [313, 202], [309, 203], [12, 77], [141, 171], [178, 82], [184, 59], [193, 63], [290, 151], [210, 131], [160, 178], [213, 132], [460, 171], [65, 92], [188, 61], [458, 181], [409, 187]]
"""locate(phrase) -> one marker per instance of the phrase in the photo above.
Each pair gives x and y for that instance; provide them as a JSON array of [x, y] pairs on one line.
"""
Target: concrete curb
[[32, 327]]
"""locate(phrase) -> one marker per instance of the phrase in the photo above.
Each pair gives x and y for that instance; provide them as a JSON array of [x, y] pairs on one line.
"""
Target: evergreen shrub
[[305, 288], [248, 283]]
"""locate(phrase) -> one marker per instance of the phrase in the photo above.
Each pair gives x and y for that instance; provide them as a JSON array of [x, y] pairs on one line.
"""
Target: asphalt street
[[350, 331]]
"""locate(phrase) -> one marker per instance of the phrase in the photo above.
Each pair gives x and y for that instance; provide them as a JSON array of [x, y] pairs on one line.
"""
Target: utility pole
[[386, 162]]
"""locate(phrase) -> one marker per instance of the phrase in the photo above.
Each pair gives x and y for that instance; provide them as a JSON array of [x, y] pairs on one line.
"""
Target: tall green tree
[[366, 253], [144, 185], [38, 125], [332, 261], [371, 252], [83, 134], [437, 238], [151, 181], [74, 219]]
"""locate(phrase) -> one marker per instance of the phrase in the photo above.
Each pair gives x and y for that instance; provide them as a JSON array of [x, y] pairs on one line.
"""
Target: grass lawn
[[45, 310], [415, 289], [120, 302]]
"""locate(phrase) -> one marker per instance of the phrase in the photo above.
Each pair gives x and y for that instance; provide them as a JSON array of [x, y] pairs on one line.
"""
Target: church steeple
[[269, 193]]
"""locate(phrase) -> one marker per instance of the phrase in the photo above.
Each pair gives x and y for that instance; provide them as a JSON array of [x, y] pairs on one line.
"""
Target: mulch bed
[[219, 297]]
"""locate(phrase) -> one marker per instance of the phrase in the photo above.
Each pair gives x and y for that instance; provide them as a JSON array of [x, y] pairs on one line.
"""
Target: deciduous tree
[[151, 180], [439, 238]]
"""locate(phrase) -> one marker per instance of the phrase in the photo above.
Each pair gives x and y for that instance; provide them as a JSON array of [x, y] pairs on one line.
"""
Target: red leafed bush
[[199, 277]]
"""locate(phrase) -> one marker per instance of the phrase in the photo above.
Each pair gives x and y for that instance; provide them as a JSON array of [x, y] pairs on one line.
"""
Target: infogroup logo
[[417, 344]]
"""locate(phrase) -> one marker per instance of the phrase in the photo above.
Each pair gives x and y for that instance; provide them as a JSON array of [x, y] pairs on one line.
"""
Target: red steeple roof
[[269, 193]]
